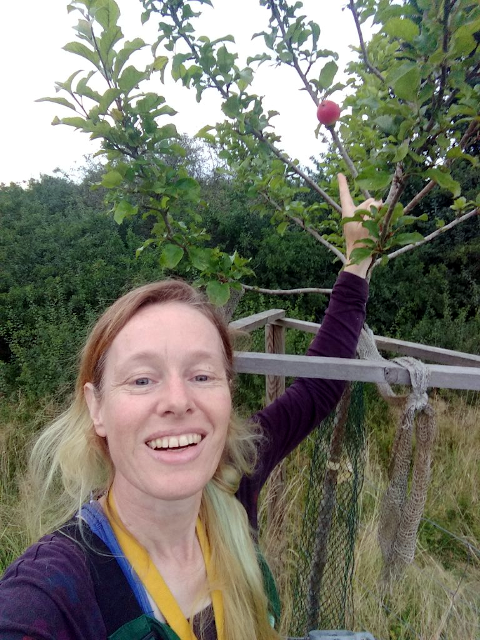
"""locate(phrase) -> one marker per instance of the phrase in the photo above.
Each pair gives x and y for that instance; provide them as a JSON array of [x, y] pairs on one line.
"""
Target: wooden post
[[274, 387], [274, 343]]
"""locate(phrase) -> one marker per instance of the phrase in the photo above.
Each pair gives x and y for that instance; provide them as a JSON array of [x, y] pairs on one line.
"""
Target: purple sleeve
[[290, 419], [47, 594]]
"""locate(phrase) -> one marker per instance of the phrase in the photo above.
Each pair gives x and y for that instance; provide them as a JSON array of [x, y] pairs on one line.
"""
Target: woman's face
[[165, 403]]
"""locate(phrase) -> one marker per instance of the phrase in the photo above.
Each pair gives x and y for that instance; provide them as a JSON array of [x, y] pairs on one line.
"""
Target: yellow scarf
[[154, 583]]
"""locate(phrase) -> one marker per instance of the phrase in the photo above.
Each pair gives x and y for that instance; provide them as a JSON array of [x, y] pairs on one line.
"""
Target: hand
[[354, 231]]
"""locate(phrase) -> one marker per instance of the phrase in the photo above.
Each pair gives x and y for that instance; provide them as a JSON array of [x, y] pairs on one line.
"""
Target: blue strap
[[98, 522]]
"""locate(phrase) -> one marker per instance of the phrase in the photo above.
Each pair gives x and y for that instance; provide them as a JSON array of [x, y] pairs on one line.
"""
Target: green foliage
[[70, 261], [411, 111], [138, 147]]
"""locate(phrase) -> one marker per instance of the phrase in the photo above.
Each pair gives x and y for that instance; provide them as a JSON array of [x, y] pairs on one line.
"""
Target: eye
[[202, 377], [142, 382]]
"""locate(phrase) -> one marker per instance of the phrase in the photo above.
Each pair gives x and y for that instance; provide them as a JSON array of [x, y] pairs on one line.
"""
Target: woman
[[166, 550]]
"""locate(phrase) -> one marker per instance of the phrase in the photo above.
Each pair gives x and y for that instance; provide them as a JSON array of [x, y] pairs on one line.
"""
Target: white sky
[[33, 32]]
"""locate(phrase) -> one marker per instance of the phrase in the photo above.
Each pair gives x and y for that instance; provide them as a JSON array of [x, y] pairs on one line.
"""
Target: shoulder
[[54, 554], [47, 588]]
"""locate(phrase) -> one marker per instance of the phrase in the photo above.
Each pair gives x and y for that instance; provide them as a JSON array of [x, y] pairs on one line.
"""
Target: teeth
[[172, 442]]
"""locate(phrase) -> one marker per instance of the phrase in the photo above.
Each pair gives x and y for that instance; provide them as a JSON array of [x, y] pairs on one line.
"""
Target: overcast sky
[[33, 32]]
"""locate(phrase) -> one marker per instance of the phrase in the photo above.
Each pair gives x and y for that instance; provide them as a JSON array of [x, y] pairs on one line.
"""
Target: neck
[[166, 528]]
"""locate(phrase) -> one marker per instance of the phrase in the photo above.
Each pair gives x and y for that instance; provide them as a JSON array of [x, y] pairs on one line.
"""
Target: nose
[[176, 397]]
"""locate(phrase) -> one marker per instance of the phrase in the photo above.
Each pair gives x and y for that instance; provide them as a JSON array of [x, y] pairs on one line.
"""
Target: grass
[[439, 595], [438, 598]]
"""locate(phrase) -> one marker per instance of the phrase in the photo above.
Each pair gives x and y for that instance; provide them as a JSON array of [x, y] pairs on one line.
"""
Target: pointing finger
[[345, 197]]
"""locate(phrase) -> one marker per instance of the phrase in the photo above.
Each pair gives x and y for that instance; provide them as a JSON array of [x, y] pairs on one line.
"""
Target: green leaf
[[459, 204], [81, 50], [108, 97], [282, 227], [79, 123], [401, 151], [63, 101], [327, 74], [463, 41], [106, 13], [204, 133], [67, 85], [112, 179], [171, 256], [385, 123], [445, 180], [246, 77], [372, 228], [84, 90], [199, 257], [124, 208], [225, 59], [408, 238], [359, 254], [402, 28], [167, 132], [124, 54], [231, 106], [218, 292], [375, 180], [260, 58], [405, 80], [106, 43], [406, 87], [130, 78], [159, 64]]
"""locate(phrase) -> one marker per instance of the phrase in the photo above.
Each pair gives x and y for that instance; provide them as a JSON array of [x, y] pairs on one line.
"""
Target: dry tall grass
[[439, 596]]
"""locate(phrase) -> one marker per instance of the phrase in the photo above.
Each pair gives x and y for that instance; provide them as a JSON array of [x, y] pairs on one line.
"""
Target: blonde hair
[[70, 463]]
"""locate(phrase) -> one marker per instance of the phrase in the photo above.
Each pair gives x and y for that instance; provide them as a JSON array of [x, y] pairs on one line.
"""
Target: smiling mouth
[[174, 442]]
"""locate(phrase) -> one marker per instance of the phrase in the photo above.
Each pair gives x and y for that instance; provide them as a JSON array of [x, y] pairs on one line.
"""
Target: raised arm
[[288, 420]]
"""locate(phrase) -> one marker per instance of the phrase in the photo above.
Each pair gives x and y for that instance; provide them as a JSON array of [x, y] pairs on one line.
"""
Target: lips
[[175, 442]]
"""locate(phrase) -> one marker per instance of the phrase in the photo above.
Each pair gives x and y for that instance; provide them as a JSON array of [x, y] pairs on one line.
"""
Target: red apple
[[328, 112]]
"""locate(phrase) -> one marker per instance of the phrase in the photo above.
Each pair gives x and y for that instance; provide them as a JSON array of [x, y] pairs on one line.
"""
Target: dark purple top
[[47, 594]]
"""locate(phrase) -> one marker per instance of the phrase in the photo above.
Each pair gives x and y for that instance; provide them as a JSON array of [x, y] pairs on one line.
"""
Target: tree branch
[[258, 134], [313, 232], [285, 292], [433, 235], [313, 94], [392, 199], [368, 64], [397, 183], [420, 195], [312, 184], [346, 157]]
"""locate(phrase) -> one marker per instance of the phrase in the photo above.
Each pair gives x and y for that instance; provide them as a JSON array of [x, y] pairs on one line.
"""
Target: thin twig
[[258, 134], [347, 159], [296, 64], [368, 64], [433, 235], [283, 292], [313, 232], [388, 216], [284, 158], [420, 195]]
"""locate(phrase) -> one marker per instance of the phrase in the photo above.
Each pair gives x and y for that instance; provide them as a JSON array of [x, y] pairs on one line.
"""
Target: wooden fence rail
[[456, 370]]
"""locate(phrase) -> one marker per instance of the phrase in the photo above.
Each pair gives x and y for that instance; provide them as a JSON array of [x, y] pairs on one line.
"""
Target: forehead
[[163, 328]]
